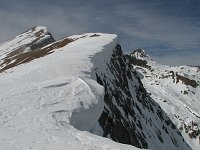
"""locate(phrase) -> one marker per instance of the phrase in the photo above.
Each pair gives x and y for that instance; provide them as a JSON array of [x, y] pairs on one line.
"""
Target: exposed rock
[[39, 47], [186, 81], [130, 115]]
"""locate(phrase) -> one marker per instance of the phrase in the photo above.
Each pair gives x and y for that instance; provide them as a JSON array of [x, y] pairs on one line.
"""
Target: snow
[[54, 102], [181, 108]]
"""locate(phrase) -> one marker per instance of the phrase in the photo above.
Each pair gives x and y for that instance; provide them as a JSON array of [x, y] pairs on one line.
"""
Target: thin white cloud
[[152, 25], [155, 27]]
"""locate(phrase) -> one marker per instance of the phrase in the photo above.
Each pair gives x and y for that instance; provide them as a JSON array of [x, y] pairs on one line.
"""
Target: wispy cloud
[[164, 28]]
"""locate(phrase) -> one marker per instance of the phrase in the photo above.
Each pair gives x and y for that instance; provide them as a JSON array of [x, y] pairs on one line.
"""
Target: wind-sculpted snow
[[45, 103]]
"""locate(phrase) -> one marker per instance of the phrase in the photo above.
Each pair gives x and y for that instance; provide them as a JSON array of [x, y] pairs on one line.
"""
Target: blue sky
[[168, 30]]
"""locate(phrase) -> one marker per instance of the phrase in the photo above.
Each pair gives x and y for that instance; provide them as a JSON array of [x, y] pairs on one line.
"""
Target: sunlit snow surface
[[50, 103]]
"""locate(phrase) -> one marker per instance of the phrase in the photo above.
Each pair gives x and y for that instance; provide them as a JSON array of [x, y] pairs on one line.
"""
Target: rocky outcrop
[[40, 43], [186, 81], [24, 57], [130, 116]]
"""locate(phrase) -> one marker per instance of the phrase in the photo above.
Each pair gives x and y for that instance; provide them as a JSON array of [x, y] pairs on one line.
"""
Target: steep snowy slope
[[54, 95], [40, 100], [177, 91]]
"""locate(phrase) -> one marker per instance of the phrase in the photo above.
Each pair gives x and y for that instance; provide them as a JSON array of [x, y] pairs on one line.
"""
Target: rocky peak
[[14, 51], [31, 39], [140, 54], [43, 37]]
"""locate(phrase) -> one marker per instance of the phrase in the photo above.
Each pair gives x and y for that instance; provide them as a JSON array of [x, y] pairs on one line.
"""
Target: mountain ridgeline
[[133, 112]]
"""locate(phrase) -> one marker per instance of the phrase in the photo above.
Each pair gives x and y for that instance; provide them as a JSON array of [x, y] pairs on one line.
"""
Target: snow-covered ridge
[[42, 101], [177, 90], [60, 92]]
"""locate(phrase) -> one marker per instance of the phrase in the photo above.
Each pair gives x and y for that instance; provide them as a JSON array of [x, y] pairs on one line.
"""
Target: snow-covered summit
[[140, 54], [35, 33], [12, 52]]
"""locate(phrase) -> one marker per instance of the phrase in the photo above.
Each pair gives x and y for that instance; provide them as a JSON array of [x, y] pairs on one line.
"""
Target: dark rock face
[[36, 45], [112, 121], [138, 62], [130, 116]]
